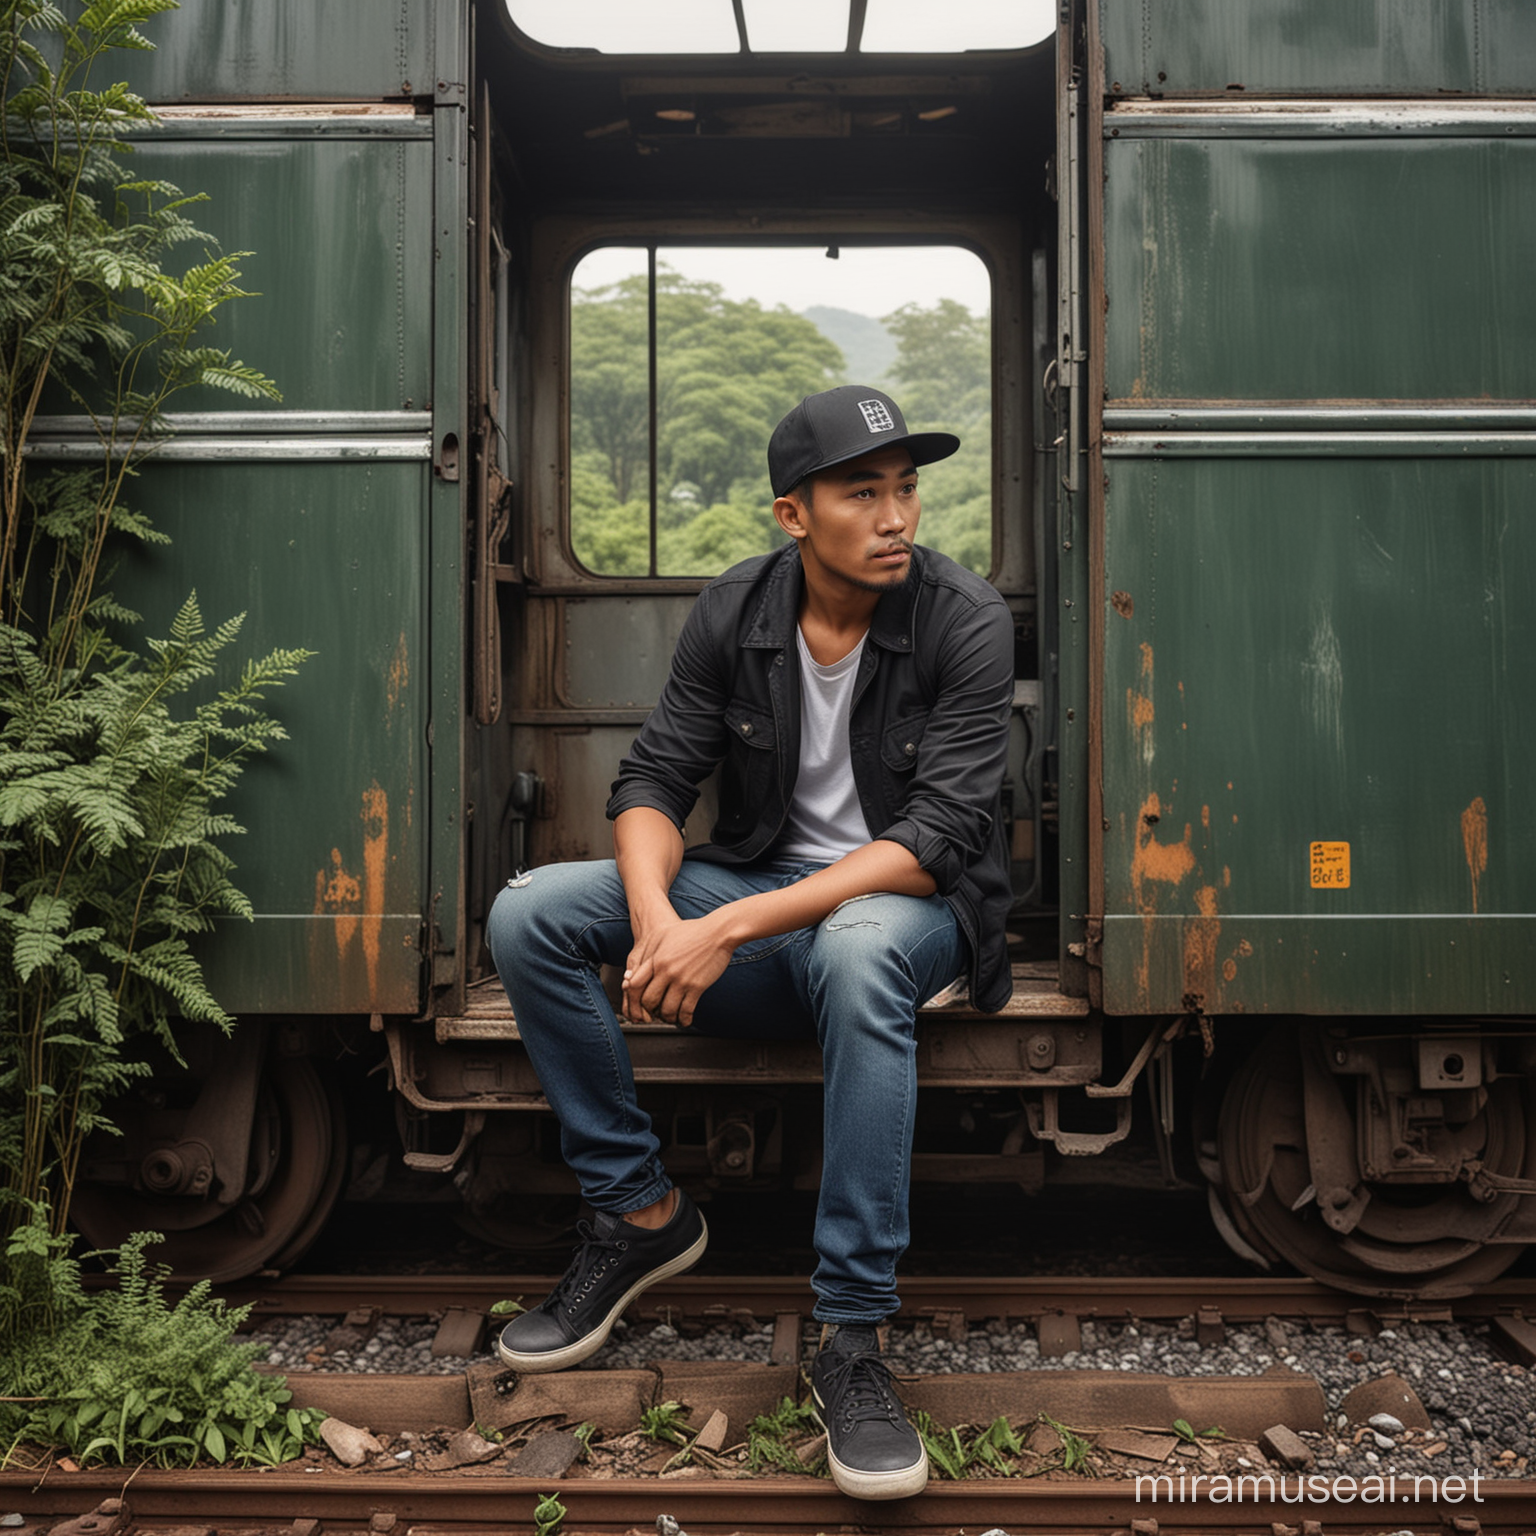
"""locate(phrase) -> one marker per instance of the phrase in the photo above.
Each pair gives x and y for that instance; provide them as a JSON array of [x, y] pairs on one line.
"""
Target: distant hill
[[867, 346]]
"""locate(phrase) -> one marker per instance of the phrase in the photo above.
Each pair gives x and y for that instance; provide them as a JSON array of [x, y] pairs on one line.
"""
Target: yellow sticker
[[1330, 866]]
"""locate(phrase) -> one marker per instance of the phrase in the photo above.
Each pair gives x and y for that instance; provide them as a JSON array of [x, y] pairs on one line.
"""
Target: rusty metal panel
[[1385, 267], [341, 264], [271, 50], [616, 651], [328, 556], [1319, 724], [1365, 47]]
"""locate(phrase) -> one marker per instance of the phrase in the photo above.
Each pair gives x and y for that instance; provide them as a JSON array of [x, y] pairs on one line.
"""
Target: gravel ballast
[[1481, 1407]]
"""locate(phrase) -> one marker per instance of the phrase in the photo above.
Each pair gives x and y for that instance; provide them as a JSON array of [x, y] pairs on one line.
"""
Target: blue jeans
[[854, 982]]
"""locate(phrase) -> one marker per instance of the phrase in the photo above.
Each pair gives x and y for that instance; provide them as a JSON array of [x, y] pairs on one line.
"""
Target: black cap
[[841, 424]]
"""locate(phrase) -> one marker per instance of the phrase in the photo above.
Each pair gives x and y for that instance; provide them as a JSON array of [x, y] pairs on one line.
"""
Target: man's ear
[[789, 514]]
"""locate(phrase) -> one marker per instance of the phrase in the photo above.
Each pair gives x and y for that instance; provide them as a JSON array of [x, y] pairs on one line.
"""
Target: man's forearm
[[879, 866], [648, 849]]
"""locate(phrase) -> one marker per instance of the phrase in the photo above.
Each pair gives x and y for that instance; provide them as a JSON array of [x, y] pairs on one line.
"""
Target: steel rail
[[705, 1507], [1239, 1300]]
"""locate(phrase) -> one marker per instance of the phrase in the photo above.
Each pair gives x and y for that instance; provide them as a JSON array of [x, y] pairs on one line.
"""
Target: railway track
[[484, 1499], [193, 1504], [1017, 1298]]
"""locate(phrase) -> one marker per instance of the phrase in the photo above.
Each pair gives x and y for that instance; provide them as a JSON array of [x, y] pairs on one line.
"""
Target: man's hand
[[671, 967]]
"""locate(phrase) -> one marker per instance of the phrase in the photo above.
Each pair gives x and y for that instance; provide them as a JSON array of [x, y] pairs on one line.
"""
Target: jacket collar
[[778, 609]]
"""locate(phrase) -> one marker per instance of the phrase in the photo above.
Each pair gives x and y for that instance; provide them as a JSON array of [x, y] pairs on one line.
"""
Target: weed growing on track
[[1074, 1449], [1192, 1436], [770, 1438], [956, 1451], [126, 1378], [664, 1422], [548, 1515]]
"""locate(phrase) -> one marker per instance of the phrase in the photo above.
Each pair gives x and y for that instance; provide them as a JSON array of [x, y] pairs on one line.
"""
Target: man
[[854, 689]]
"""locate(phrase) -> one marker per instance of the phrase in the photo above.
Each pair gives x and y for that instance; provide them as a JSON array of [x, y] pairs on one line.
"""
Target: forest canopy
[[727, 371]]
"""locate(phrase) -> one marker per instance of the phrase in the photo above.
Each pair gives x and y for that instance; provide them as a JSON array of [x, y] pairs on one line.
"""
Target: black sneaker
[[874, 1453], [616, 1261]]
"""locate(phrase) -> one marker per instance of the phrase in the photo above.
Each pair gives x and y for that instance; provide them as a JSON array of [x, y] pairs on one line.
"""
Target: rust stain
[[1205, 817], [356, 902], [375, 861], [1139, 711], [398, 678], [1123, 604], [1229, 965], [339, 894], [1201, 936], [1154, 864], [1474, 838], [1140, 714]]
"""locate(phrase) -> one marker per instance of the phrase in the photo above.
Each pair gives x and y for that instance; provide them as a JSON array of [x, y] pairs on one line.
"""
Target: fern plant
[[126, 1377], [113, 757]]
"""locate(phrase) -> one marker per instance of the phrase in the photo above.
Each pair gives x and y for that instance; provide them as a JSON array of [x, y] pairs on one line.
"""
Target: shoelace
[[589, 1264], [861, 1386]]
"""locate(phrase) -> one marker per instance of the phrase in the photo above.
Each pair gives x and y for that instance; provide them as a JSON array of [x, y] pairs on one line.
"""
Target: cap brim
[[925, 448]]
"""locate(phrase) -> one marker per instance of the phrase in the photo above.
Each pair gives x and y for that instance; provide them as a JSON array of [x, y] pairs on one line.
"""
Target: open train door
[[1065, 556], [1303, 471]]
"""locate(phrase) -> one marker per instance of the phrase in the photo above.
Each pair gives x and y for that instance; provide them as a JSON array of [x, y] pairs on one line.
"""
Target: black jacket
[[927, 732]]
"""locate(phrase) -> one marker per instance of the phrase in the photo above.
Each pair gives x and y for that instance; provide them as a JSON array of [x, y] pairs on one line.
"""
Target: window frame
[[561, 242], [854, 56]]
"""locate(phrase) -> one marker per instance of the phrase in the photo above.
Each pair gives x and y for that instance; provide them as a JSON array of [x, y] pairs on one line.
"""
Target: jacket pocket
[[750, 726], [900, 742], [749, 775]]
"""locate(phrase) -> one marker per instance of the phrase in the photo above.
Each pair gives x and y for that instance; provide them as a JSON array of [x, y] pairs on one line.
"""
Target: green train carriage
[[1261, 468]]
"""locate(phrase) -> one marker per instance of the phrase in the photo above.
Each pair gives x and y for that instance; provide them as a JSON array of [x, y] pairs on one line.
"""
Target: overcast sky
[[707, 26], [868, 281]]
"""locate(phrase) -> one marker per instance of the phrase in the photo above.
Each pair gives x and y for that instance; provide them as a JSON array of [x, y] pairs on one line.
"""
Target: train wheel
[[296, 1165], [1424, 1240]]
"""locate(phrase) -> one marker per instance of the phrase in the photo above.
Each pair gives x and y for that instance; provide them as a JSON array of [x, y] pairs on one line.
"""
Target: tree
[[943, 368], [943, 378], [727, 371], [112, 759]]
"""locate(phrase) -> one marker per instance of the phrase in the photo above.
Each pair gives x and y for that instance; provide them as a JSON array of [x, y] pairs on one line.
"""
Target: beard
[[889, 584]]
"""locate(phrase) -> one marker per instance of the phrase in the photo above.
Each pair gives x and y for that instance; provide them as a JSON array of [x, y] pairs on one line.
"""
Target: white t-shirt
[[825, 819]]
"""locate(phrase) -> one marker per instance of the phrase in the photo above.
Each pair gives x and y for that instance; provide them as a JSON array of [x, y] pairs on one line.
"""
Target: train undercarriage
[[1389, 1158]]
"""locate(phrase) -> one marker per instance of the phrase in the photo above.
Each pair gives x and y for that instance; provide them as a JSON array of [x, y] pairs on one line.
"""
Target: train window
[[683, 359], [783, 26], [902, 26], [629, 26], [795, 26]]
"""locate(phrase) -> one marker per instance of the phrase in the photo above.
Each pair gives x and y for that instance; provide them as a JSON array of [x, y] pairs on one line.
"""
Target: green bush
[[124, 1377]]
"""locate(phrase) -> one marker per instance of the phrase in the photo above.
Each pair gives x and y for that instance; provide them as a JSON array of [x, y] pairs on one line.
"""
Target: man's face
[[857, 528]]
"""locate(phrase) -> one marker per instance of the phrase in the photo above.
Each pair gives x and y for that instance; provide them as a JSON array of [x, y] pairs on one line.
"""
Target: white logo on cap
[[876, 417]]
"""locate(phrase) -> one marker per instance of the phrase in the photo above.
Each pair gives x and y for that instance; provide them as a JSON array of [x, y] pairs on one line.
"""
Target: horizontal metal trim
[[1340, 445], [620, 586], [1449, 416], [1298, 118], [267, 423], [633, 716], [213, 449], [278, 120]]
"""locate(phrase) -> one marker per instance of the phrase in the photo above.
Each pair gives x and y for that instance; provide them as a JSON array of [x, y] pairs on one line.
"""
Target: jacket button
[[746, 727], [910, 749]]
